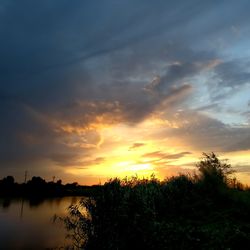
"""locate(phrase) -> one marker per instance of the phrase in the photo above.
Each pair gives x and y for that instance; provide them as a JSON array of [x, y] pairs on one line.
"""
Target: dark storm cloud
[[64, 63]]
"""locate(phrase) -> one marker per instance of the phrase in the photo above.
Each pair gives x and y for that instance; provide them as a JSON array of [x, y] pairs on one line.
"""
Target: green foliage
[[181, 212]]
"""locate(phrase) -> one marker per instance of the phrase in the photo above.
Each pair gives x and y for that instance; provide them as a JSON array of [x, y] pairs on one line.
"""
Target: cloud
[[199, 131], [65, 134], [243, 168], [40, 136], [136, 145], [214, 106], [159, 155], [228, 78], [232, 73], [88, 163], [246, 114]]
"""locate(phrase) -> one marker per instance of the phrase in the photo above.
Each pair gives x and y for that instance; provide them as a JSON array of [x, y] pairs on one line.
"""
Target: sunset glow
[[131, 89]]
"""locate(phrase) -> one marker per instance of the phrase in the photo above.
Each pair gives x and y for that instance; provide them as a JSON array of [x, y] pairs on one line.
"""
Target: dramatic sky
[[95, 89]]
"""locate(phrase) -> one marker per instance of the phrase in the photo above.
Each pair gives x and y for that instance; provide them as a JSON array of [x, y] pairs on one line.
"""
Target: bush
[[213, 172]]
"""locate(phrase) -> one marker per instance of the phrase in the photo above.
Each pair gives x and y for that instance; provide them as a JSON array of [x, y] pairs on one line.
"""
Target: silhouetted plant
[[214, 172], [78, 224]]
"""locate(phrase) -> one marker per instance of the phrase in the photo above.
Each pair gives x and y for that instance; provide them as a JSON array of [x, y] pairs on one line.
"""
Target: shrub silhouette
[[213, 172]]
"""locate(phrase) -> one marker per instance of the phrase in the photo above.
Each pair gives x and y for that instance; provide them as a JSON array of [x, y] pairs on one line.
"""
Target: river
[[29, 225]]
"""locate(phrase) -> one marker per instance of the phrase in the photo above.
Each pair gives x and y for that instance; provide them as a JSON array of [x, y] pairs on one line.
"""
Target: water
[[29, 225]]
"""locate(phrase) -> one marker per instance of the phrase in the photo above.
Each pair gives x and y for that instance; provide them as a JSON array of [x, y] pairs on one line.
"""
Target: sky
[[91, 90]]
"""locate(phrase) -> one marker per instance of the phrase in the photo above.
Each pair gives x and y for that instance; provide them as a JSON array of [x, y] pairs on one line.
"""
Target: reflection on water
[[28, 223]]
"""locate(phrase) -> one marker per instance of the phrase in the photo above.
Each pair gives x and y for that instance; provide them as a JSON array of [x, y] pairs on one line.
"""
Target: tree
[[213, 171], [8, 181]]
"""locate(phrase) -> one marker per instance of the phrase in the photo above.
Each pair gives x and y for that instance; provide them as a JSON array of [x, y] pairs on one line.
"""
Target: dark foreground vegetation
[[207, 211]]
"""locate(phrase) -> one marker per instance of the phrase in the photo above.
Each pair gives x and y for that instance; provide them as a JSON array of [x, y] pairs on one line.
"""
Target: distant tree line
[[38, 187]]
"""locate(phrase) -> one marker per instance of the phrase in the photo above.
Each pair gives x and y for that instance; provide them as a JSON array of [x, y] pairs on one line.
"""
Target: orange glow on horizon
[[125, 151]]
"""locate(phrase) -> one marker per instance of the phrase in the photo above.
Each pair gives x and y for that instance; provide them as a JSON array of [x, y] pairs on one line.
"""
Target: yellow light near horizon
[[121, 159], [134, 167], [141, 167], [120, 162], [124, 163]]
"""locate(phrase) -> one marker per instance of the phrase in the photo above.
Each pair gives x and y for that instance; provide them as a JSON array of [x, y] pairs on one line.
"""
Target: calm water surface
[[29, 225]]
